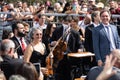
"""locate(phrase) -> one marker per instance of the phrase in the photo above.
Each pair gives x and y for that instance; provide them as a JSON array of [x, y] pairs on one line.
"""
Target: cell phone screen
[[37, 66]]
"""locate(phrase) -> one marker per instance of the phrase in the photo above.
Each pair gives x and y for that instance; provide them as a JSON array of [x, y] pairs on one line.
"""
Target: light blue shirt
[[110, 37]]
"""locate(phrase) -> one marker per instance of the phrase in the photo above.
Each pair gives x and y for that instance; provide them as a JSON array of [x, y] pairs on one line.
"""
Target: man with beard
[[19, 38]]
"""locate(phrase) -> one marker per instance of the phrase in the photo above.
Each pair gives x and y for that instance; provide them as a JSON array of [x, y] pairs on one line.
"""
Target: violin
[[60, 48], [57, 52], [49, 64]]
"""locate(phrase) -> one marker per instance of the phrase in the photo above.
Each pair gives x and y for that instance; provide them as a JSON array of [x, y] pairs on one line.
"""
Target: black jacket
[[9, 66], [74, 42], [88, 38], [18, 46]]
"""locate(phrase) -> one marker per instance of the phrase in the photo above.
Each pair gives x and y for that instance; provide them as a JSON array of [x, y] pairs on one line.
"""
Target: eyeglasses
[[54, 27], [27, 32], [38, 34]]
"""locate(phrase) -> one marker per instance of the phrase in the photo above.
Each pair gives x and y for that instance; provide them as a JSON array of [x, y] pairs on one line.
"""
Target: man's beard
[[20, 34]]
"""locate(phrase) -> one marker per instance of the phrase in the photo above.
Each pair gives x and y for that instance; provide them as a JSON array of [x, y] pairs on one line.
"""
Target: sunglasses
[[26, 31], [54, 27], [38, 34]]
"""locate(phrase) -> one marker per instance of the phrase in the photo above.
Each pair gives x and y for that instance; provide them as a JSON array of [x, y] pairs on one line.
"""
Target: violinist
[[73, 45], [74, 25]]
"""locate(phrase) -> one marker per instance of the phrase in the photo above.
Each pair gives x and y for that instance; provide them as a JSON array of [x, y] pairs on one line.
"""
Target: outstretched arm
[[108, 68]]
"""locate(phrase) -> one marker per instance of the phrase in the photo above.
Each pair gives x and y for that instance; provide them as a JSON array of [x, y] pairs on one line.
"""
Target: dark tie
[[22, 44]]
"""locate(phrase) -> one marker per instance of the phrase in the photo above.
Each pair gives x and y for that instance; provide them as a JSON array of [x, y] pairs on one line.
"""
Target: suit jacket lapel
[[71, 41], [17, 41], [114, 33], [104, 32]]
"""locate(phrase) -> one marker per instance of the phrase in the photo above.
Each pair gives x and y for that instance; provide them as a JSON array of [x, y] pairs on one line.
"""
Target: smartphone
[[37, 66]]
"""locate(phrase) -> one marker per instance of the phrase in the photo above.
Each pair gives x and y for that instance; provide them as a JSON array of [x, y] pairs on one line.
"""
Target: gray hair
[[17, 77], [6, 44], [33, 30], [94, 14]]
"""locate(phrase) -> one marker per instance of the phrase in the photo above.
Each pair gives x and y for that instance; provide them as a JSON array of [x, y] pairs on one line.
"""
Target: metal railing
[[47, 14], [56, 14]]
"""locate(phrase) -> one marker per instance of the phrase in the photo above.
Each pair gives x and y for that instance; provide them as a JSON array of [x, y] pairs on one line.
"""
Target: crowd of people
[[47, 44]]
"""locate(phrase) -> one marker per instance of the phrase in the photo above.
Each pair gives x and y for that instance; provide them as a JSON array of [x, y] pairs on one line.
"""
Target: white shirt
[[81, 24], [36, 24], [95, 25], [64, 27], [20, 41]]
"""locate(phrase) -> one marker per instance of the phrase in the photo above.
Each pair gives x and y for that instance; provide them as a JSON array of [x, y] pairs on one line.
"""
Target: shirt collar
[[106, 25], [95, 25]]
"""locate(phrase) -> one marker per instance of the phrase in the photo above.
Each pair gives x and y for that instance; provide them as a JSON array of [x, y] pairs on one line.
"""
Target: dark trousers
[[63, 70], [68, 68]]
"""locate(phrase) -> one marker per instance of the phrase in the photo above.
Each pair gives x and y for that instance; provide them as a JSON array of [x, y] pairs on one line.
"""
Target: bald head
[[87, 19], [6, 45], [116, 54]]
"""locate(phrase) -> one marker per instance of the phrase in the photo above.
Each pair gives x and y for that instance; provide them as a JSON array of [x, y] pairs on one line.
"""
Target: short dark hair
[[14, 25], [39, 16], [105, 11], [26, 24], [75, 18], [50, 8], [67, 18], [6, 34]]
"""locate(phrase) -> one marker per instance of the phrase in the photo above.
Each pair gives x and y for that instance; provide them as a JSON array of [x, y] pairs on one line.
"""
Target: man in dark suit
[[73, 45], [105, 38], [19, 38], [9, 65], [72, 38], [88, 44], [88, 31]]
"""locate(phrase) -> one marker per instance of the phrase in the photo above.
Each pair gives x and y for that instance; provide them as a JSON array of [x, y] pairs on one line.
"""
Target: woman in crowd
[[47, 35], [7, 34], [67, 9], [36, 50], [28, 71]]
